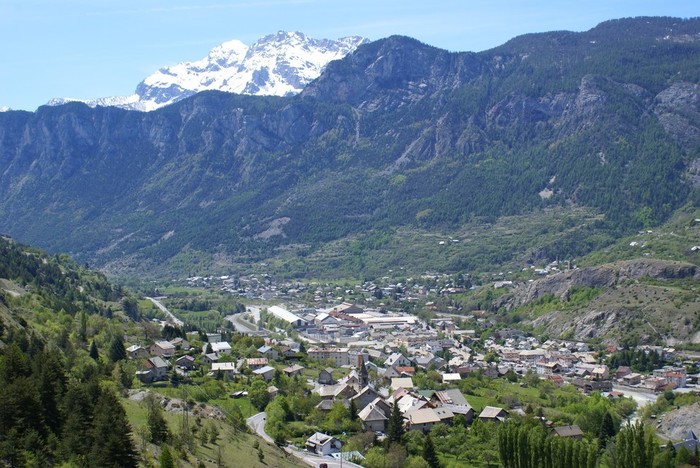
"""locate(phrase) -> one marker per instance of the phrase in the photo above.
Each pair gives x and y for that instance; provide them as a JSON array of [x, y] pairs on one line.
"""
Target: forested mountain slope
[[55, 410], [601, 128]]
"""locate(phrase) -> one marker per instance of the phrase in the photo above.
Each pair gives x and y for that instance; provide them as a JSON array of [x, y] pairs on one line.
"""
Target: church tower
[[362, 371]]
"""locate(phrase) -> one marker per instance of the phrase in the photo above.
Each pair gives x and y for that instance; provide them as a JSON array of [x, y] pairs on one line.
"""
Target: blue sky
[[97, 48]]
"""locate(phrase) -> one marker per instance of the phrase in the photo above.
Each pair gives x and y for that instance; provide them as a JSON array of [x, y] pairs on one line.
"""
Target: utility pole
[[185, 412]]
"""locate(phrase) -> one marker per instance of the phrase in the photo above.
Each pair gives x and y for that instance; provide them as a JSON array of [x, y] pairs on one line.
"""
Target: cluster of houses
[[343, 331], [263, 286], [565, 361], [420, 409], [158, 359], [382, 353]]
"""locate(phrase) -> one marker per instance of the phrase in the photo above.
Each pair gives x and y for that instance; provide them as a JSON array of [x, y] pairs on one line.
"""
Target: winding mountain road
[[257, 424]]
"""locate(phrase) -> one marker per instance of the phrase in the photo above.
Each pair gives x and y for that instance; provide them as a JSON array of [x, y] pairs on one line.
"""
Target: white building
[[287, 316], [218, 348]]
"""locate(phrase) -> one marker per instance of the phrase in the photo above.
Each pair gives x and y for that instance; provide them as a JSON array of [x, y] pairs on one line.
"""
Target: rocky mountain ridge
[[397, 135], [279, 64]]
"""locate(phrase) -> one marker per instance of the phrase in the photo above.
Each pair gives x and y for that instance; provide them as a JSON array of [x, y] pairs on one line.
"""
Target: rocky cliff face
[[561, 284], [394, 72], [678, 110], [633, 303]]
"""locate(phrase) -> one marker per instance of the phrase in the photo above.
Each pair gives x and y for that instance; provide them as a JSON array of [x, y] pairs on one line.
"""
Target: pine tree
[[82, 332], [76, 436], [94, 354], [157, 425], [166, 458], [395, 428], [353, 410], [607, 429], [13, 364], [429, 453], [51, 376], [671, 449], [117, 351], [174, 378], [112, 445], [131, 308]]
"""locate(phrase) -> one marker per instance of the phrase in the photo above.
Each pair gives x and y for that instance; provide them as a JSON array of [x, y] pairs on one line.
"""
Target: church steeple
[[362, 371]]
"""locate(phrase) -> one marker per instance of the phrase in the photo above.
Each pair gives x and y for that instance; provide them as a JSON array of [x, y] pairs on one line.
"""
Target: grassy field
[[231, 449]]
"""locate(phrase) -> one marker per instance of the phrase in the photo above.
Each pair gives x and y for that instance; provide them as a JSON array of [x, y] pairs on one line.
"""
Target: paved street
[[169, 316], [642, 399], [245, 326], [240, 324], [257, 424]]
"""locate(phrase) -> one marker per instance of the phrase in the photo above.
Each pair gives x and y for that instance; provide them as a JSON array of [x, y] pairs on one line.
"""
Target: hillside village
[[371, 361]]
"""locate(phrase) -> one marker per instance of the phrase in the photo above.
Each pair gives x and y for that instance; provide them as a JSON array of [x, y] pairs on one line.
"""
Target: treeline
[[526, 444], [637, 360], [59, 280], [522, 445], [47, 418]]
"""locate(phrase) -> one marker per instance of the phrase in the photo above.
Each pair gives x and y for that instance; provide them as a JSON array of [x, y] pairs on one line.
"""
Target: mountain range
[[548, 147], [276, 65]]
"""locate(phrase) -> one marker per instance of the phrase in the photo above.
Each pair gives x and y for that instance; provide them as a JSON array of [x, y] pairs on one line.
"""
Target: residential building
[[571, 432], [162, 348], [155, 369], [136, 352], [227, 369], [373, 418], [218, 347], [493, 413], [185, 362], [293, 370], [365, 397], [421, 419], [339, 356], [397, 360], [180, 343], [401, 382], [268, 352], [256, 363], [323, 444], [265, 372], [325, 376]]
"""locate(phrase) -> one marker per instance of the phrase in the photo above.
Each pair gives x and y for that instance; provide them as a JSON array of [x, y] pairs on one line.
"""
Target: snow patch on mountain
[[279, 64]]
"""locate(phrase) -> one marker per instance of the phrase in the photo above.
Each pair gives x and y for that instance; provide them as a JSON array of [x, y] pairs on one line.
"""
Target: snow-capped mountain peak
[[276, 65]]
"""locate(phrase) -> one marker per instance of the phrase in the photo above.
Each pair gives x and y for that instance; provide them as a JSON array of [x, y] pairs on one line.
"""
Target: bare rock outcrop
[[561, 284], [675, 424], [678, 109]]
